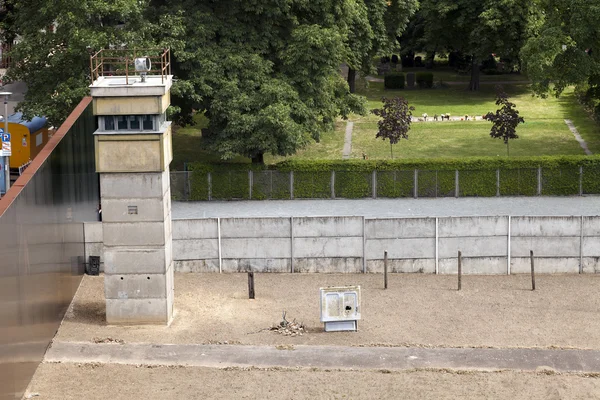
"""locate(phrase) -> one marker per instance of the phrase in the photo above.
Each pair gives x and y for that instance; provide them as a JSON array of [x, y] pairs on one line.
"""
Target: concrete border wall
[[489, 244]]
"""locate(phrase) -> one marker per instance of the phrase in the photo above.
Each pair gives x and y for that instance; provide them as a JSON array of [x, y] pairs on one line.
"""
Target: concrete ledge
[[138, 286], [256, 265], [211, 265], [555, 265], [474, 266], [137, 311], [421, 266], [328, 265]]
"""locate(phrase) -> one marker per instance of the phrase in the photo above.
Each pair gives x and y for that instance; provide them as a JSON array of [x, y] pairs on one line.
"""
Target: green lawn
[[188, 145], [544, 131]]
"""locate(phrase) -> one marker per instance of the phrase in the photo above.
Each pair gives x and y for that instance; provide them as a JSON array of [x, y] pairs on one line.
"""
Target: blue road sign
[[5, 137]]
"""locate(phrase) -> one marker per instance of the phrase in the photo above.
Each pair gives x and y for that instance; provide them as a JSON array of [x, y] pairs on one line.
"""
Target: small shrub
[[394, 80], [425, 79], [395, 59], [419, 62]]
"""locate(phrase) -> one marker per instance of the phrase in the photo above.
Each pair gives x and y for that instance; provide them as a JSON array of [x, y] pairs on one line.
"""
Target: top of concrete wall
[[119, 86], [392, 208]]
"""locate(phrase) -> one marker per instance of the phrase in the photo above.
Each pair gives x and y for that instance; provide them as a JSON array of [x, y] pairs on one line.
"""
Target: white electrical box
[[340, 308]]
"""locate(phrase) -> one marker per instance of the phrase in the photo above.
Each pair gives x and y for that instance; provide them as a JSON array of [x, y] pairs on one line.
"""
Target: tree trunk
[[352, 79], [474, 83], [392, 150], [258, 159], [507, 150]]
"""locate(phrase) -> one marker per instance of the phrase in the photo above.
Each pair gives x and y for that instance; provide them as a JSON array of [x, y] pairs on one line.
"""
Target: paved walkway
[[578, 137], [392, 358], [348, 140], [382, 208]]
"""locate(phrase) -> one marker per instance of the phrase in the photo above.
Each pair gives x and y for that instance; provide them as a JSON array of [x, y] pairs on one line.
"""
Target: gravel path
[[325, 357], [381, 208], [578, 137], [348, 140]]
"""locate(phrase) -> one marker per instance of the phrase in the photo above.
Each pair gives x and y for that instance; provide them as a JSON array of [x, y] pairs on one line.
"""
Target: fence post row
[[188, 184], [456, 184]]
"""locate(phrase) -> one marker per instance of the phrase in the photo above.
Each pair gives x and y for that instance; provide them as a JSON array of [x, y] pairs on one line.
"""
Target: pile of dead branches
[[288, 328]]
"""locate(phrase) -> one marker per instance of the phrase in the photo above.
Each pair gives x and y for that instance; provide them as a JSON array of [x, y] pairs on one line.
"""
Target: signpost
[[6, 150], [6, 145]]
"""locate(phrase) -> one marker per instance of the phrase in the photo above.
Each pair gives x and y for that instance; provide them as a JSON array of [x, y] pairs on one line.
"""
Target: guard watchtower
[[131, 93]]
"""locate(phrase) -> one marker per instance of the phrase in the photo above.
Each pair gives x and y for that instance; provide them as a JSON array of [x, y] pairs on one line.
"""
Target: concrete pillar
[[132, 158]]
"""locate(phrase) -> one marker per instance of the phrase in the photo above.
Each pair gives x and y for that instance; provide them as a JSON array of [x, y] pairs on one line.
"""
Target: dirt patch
[[416, 310], [116, 382]]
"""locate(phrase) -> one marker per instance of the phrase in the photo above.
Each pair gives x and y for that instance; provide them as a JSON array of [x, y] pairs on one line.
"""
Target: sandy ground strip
[[416, 310], [115, 382]]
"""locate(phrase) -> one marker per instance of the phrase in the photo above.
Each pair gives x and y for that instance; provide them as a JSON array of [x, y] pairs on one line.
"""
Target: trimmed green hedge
[[394, 80], [395, 178]]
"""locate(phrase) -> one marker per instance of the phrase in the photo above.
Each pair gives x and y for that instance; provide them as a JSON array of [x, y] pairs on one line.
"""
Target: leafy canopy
[[564, 48], [55, 64], [396, 117], [266, 73]]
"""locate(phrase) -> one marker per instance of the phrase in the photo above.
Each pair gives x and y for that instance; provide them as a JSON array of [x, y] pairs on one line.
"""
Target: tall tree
[[52, 56], [564, 48], [265, 72], [476, 28], [375, 30]]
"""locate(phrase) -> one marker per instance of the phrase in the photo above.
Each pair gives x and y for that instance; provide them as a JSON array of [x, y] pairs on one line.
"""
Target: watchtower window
[[131, 122]]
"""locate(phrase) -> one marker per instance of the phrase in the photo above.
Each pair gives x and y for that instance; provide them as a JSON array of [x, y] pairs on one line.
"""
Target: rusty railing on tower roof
[[121, 62]]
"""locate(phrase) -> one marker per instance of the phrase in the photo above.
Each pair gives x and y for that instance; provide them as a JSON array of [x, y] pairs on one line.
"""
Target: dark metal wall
[[42, 246]]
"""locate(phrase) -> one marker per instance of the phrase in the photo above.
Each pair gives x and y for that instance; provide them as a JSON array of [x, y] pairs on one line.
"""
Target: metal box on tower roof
[[340, 308]]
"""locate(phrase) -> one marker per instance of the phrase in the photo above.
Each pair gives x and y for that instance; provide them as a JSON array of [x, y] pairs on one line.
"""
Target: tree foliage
[[396, 116], [505, 120], [375, 27], [564, 48], [52, 56], [475, 28], [265, 72]]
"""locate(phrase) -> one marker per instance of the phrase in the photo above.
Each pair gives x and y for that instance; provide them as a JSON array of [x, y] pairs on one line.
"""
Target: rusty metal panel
[[42, 247]]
